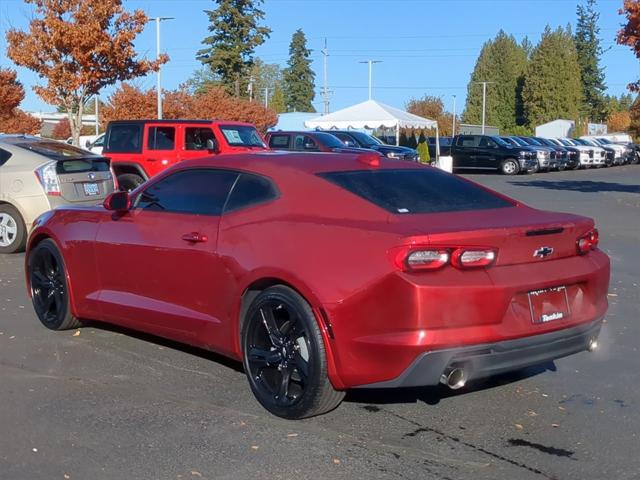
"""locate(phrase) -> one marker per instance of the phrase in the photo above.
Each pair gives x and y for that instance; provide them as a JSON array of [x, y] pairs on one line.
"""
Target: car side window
[[124, 138], [305, 143], [468, 141], [344, 138], [279, 141], [250, 190], [194, 191], [195, 138], [161, 138], [487, 142], [4, 156]]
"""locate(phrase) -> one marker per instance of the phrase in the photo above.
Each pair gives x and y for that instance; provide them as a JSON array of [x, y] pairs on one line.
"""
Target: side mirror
[[88, 144], [212, 145], [117, 202]]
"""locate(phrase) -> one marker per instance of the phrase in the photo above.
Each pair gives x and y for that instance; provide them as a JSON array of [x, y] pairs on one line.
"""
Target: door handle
[[194, 237]]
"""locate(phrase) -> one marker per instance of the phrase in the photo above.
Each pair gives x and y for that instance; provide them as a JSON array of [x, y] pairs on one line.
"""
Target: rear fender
[[292, 281]]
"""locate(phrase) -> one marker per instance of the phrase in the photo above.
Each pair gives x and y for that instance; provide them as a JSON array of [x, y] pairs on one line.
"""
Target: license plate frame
[[91, 189], [549, 304]]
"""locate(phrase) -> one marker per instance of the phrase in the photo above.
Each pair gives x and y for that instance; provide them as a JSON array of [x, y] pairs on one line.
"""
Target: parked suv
[[352, 138], [140, 149], [485, 152], [37, 175], [309, 142]]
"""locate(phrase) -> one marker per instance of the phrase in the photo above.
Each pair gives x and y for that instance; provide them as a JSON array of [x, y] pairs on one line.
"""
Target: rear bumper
[[384, 329], [481, 361]]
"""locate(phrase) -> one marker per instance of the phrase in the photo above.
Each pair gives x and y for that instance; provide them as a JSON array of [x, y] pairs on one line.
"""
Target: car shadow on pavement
[[163, 342], [586, 186], [433, 395]]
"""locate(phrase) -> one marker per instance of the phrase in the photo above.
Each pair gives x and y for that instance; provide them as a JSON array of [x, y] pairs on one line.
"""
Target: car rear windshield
[[56, 150], [97, 164], [242, 136], [407, 191]]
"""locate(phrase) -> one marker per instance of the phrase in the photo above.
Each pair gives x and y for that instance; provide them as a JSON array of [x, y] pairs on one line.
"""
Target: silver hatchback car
[[37, 175]]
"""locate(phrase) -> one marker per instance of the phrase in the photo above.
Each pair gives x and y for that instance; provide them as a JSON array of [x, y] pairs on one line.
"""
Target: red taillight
[[426, 259], [588, 242], [470, 258], [415, 259]]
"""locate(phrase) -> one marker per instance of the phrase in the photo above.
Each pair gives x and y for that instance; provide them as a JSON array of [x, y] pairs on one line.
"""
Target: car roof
[[181, 121], [272, 163], [298, 132], [19, 138]]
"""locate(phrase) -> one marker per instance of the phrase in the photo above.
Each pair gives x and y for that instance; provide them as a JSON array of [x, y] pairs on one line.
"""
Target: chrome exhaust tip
[[454, 378], [593, 345]]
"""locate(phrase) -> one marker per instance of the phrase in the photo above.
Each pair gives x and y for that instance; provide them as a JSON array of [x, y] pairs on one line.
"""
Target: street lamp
[[453, 126], [159, 84], [371, 62]]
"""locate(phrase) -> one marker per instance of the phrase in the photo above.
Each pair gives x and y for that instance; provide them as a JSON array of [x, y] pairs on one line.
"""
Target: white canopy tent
[[372, 114]]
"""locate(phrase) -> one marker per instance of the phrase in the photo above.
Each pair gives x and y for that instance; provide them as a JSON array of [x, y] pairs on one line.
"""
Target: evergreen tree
[[277, 103], [589, 52], [299, 82], [235, 33], [552, 87], [503, 63]]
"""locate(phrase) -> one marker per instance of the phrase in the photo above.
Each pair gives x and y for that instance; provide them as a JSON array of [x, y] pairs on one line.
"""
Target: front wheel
[[284, 356], [49, 287], [509, 167]]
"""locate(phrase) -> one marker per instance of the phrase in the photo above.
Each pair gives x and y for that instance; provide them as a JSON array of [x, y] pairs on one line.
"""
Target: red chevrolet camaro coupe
[[327, 272]]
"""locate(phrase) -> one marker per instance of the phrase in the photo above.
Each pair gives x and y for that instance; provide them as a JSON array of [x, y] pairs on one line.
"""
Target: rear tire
[[510, 166], [284, 356], [13, 232], [49, 287], [129, 181]]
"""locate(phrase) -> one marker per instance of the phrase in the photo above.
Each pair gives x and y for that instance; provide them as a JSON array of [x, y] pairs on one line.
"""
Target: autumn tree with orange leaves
[[79, 47], [12, 119], [630, 33], [131, 103]]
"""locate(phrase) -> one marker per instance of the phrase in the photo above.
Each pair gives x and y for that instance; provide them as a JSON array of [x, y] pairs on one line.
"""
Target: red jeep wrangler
[[140, 149]]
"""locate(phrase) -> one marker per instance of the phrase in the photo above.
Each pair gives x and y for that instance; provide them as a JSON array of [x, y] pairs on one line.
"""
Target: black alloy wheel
[[49, 287], [284, 356]]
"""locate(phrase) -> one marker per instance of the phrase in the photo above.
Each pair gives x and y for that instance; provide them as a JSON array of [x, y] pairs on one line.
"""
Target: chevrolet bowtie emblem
[[543, 252]]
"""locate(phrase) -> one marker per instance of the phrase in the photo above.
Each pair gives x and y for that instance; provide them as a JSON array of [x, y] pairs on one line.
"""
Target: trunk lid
[[84, 179], [520, 234]]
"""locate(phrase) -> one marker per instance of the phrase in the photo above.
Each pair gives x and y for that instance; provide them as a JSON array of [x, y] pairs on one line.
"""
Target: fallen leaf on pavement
[[77, 333], [519, 427]]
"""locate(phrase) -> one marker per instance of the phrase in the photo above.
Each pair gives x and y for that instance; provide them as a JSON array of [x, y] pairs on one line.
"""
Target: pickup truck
[[140, 149], [487, 152]]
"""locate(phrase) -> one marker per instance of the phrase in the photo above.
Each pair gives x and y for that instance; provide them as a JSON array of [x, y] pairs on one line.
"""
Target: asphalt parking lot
[[101, 403]]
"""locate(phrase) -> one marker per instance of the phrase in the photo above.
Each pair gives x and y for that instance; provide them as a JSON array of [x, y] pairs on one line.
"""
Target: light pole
[[159, 84], [371, 62], [484, 103], [453, 126]]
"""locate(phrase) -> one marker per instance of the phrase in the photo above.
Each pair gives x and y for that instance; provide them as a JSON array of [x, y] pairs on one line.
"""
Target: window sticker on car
[[232, 136]]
